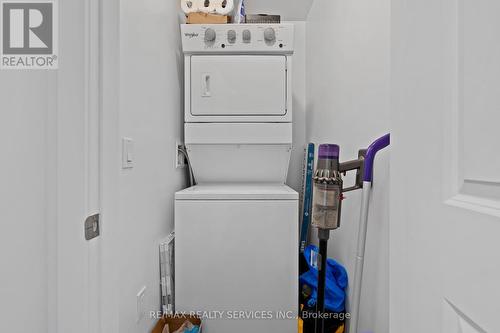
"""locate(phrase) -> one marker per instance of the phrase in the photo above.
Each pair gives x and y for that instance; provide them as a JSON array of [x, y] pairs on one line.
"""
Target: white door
[[445, 170], [49, 126], [238, 85]]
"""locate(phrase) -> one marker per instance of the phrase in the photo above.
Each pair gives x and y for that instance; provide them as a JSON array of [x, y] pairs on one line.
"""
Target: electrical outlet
[[180, 158], [141, 307]]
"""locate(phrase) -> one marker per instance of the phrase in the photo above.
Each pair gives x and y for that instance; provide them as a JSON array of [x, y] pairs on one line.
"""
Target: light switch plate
[[141, 310], [127, 153]]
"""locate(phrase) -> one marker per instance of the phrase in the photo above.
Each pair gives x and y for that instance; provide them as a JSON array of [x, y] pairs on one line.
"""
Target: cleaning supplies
[[306, 195], [335, 294], [188, 327], [207, 6], [336, 281], [262, 19], [239, 15], [224, 7], [190, 6], [220, 7], [175, 323]]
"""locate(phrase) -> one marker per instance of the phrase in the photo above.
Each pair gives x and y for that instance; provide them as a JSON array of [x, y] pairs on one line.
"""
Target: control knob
[[231, 36], [210, 35], [269, 35], [247, 36]]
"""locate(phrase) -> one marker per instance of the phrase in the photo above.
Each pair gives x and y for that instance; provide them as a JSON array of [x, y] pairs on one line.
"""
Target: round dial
[[231, 36], [247, 35], [210, 35], [269, 35]]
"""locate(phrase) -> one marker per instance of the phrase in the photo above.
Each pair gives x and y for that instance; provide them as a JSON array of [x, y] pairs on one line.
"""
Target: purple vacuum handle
[[374, 148]]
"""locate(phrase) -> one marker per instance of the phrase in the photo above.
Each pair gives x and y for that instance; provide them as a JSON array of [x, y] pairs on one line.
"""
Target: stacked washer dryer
[[237, 229]]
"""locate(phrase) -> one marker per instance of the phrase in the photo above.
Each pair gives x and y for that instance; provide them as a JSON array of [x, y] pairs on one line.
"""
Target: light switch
[[127, 153]]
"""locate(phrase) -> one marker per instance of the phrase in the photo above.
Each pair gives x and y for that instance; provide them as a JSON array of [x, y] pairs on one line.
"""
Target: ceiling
[[290, 10]]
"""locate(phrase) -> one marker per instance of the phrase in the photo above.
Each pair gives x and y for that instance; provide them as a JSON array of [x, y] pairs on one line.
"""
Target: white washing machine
[[236, 255]]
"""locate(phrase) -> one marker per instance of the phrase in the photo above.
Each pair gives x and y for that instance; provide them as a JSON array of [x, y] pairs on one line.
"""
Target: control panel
[[237, 38]]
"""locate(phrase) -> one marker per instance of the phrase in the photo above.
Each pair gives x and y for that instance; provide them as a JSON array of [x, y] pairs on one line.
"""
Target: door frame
[[108, 40], [83, 89]]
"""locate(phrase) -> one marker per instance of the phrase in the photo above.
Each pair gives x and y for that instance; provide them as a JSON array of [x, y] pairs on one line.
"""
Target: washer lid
[[237, 192]]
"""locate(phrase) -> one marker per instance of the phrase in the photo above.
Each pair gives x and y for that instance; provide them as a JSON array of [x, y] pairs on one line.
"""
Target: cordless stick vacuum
[[327, 201]]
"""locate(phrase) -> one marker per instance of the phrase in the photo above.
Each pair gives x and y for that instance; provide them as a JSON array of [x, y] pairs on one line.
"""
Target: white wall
[[151, 114], [24, 111], [348, 77]]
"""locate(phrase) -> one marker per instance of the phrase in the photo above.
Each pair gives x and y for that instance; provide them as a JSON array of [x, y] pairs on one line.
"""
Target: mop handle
[[372, 151]]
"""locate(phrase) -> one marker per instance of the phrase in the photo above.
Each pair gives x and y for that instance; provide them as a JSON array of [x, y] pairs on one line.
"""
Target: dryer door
[[238, 85]]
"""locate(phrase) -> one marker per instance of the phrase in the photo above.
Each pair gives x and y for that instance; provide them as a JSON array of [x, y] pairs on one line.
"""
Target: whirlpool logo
[[29, 34], [191, 34]]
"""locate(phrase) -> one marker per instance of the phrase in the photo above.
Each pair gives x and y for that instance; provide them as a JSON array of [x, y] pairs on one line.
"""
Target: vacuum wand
[[327, 200]]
